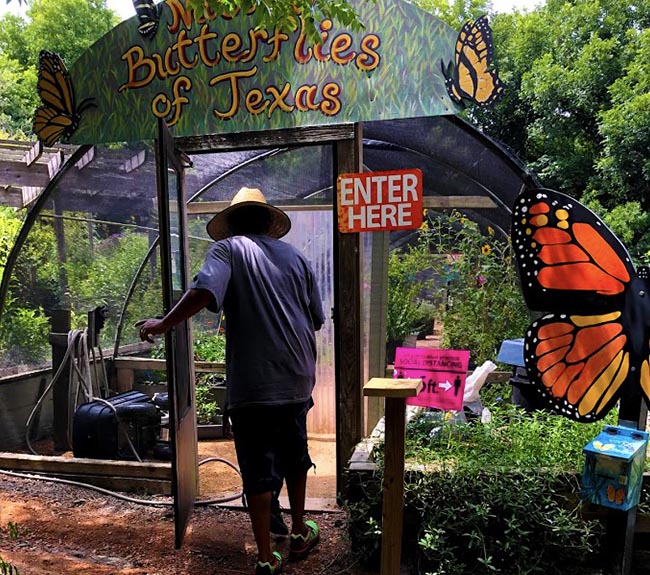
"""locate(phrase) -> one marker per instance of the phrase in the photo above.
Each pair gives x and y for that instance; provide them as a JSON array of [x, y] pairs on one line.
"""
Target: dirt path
[[48, 528]]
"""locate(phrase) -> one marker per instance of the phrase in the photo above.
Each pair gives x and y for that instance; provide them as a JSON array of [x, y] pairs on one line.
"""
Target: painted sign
[[443, 372], [380, 201], [207, 73]]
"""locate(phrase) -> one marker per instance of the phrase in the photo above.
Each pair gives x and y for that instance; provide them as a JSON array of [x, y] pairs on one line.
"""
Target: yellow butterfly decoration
[[603, 446], [59, 115], [472, 76]]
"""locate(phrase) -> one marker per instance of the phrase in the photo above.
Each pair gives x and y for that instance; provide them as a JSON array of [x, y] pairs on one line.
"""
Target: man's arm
[[192, 302]]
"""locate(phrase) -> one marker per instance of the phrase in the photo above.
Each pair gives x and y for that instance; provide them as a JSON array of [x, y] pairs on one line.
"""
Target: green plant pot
[[209, 431]]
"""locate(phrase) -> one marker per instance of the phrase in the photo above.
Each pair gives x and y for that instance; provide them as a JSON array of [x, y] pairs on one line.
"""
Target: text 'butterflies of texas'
[[593, 347]]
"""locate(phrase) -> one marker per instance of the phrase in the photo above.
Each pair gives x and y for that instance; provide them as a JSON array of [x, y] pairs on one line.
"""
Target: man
[[271, 300]]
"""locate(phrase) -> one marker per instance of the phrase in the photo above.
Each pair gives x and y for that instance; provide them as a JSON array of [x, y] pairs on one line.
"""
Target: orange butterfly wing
[[594, 347], [581, 362]]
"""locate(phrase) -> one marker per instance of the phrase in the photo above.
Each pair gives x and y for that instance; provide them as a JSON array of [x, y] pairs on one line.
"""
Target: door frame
[[346, 140], [178, 340]]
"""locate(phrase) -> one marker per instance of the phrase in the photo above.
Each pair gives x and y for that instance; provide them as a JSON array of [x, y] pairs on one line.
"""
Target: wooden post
[[619, 536], [348, 335], [60, 323], [395, 391]]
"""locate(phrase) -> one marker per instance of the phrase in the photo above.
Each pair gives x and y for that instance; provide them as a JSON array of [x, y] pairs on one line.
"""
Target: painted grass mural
[[215, 74]]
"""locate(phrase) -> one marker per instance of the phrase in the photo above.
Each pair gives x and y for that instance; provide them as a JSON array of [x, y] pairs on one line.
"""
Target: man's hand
[[149, 328]]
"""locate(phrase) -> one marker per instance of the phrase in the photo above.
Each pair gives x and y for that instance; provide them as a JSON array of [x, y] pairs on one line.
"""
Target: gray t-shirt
[[272, 305]]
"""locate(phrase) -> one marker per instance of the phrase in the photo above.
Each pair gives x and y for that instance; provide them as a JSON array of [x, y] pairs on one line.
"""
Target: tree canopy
[[576, 109]]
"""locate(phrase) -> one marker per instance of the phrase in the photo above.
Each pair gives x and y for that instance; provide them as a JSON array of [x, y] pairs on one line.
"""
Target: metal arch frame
[[32, 215]]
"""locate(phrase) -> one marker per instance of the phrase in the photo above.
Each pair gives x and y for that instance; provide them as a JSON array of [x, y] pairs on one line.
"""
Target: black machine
[[118, 427]]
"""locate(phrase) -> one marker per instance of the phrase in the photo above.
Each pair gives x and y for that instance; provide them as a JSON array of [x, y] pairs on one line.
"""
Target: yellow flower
[[424, 226], [463, 220], [490, 230], [486, 250], [425, 211]]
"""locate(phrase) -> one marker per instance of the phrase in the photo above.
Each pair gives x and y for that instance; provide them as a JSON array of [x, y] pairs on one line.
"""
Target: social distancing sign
[[443, 373], [380, 201]]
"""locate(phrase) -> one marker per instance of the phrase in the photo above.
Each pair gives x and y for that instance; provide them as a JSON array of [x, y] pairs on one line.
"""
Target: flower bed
[[501, 497]]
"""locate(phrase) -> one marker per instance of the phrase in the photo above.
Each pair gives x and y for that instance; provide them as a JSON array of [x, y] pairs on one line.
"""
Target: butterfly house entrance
[[282, 114]]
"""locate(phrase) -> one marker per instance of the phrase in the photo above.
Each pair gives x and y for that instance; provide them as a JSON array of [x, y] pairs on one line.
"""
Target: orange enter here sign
[[380, 201]]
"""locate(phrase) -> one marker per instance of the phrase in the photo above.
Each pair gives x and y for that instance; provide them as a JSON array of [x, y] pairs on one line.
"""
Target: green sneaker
[[270, 567], [301, 545]]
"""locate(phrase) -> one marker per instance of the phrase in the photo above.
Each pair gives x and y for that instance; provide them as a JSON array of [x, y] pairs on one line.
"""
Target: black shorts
[[271, 444]]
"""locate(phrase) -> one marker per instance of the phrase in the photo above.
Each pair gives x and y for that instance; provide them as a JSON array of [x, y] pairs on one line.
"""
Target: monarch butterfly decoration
[[472, 76], [615, 495], [59, 115], [593, 348], [149, 15]]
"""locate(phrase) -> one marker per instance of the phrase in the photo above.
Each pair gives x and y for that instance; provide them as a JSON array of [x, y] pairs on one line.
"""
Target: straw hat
[[219, 226]]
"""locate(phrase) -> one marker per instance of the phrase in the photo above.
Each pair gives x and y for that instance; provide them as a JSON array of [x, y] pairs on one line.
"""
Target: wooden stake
[[395, 391]]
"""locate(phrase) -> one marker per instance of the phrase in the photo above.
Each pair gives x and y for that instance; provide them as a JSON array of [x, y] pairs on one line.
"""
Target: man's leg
[[296, 489], [259, 509]]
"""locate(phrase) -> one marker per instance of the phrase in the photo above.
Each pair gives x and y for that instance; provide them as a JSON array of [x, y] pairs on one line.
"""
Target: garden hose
[[198, 502], [77, 351]]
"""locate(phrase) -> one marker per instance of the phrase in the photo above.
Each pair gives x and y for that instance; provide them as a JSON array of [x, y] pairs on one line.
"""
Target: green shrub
[[208, 410], [480, 498], [24, 335]]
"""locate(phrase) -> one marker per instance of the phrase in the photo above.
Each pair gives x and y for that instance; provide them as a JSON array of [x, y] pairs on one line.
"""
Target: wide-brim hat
[[219, 226]]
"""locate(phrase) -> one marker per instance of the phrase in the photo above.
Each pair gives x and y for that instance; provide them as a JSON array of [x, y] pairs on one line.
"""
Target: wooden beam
[[347, 321], [146, 363], [134, 162], [34, 153], [395, 391], [442, 202], [312, 135], [88, 466], [88, 157], [17, 173], [30, 193], [198, 208], [54, 163], [149, 476], [11, 196]]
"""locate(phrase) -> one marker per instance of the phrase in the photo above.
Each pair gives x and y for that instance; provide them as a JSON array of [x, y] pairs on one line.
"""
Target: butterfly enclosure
[[159, 136]]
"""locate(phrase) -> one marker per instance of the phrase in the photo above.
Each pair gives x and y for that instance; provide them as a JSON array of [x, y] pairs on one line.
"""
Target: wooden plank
[[88, 157], [134, 162], [80, 465], [11, 196], [347, 320], [439, 202], [54, 163], [393, 487], [377, 322], [17, 173], [310, 135], [146, 363], [385, 387], [442, 202], [126, 484], [29, 194], [198, 208], [34, 153]]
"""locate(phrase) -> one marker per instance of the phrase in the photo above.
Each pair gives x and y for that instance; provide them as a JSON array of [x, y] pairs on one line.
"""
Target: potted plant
[[210, 390]]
